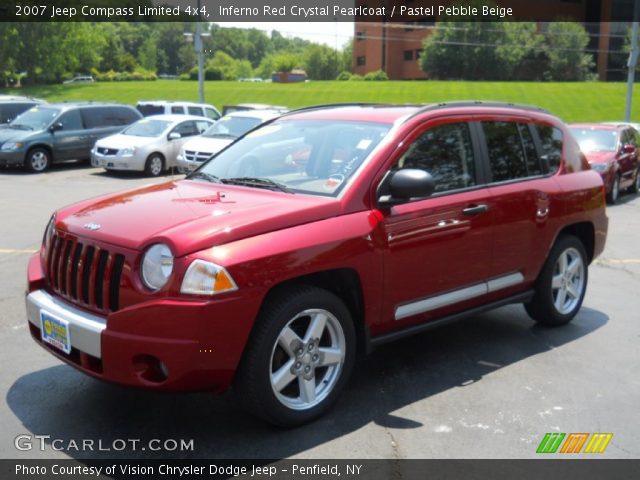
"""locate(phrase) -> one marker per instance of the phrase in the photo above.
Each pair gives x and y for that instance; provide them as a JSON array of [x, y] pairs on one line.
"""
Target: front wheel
[[154, 165], [299, 357], [612, 196], [561, 285], [37, 160]]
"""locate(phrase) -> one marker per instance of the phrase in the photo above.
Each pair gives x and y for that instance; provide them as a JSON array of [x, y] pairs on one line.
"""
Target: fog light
[[150, 368]]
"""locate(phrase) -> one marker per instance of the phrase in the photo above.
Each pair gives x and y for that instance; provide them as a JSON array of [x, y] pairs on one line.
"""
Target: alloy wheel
[[568, 281]]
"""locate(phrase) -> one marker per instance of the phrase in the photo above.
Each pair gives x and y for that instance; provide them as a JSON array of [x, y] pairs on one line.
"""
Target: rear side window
[[197, 111], [445, 152], [96, 117], [147, 110], [9, 111], [551, 145], [122, 115], [178, 110], [211, 113], [70, 120], [505, 149], [534, 167]]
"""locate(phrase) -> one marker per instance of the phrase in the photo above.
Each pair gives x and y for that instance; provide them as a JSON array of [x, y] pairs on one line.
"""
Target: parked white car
[[162, 107], [150, 145], [226, 130]]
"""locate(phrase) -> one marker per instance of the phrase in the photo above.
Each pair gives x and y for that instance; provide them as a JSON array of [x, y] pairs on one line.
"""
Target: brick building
[[396, 46]]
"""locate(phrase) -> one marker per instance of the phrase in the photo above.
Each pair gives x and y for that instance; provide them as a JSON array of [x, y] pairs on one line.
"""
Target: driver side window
[[446, 152]]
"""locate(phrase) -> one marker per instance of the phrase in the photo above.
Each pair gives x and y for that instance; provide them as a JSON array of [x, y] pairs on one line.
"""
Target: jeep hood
[[190, 215]]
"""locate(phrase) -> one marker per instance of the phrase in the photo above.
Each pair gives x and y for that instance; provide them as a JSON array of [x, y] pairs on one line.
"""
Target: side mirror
[[628, 148], [407, 184], [55, 127], [174, 136]]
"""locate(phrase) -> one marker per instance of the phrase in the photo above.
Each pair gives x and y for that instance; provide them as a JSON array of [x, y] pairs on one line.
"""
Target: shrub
[[344, 75], [376, 76]]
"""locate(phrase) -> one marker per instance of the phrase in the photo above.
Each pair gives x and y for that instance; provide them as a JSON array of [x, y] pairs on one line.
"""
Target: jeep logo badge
[[92, 226]]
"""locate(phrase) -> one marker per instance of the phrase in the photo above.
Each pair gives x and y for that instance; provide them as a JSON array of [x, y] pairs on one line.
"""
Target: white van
[[163, 107]]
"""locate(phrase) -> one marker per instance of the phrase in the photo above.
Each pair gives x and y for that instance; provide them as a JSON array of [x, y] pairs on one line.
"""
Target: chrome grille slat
[[85, 274]]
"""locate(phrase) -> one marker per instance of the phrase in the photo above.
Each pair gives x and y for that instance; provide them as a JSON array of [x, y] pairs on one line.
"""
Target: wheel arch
[[44, 146], [585, 232], [344, 283]]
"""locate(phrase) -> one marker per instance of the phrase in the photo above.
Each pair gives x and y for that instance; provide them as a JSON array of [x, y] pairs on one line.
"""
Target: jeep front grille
[[84, 274]]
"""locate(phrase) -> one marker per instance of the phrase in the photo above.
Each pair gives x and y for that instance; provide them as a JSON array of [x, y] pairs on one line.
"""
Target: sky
[[333, 34]]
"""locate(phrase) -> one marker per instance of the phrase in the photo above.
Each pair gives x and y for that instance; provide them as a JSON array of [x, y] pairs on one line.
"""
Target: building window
[[408, 27], [361, 35], [362, 60], [418, 53], [408, 55]]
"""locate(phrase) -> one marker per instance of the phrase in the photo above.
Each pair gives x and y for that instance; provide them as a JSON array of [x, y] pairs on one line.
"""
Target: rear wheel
[[561, 286], [299, 357], [635, 186], [614, 194], [154, 165], [37, 160]]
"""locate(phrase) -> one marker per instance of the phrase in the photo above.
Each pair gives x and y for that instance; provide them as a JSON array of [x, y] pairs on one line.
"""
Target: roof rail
[[477, 103], [333, 105]]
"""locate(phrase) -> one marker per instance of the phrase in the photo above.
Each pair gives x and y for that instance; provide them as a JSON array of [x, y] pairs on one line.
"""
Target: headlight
[[48, 233], [157, 265], [12, 146], [206, 278], [128, 152], [601, 167]]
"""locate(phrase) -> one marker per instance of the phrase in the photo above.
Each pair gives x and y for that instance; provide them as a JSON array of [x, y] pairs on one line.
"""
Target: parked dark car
[[11, 107], [52, 133], [612, 150]]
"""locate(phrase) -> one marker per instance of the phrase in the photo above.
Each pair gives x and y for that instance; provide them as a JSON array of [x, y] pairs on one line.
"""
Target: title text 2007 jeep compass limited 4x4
[[326, 230]]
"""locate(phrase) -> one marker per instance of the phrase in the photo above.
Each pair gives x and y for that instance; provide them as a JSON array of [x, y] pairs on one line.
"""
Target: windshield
[[36, 118], [308, 156], [592, 140], [232, 127], [147, 128]]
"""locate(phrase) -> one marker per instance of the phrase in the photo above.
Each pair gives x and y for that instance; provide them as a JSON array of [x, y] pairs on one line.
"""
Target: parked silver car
[[199, 149], [150, 145]]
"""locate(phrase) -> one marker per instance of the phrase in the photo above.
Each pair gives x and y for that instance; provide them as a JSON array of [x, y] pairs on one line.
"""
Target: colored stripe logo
[[573, 442]]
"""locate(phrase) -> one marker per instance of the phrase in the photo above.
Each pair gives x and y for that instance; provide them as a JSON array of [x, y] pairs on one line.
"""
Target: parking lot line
[[617, 260], [17, 250]]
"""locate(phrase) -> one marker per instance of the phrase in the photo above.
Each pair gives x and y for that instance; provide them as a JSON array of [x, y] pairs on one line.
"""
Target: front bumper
[[183, 344], [187, 166], [115, 162], [12, 158]]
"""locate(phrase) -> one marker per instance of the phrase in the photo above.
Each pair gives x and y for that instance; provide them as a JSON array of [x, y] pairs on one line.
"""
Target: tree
[[148, 55], [565, 43], [321, 62]]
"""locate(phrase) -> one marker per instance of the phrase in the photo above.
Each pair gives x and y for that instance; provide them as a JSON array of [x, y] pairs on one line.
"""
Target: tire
[[154, 166], [299, 357], [614, 194], [635, 186], [37, 160], [561, 286]]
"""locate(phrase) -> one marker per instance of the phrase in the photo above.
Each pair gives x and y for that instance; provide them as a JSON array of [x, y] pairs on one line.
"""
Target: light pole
[[197, 43], [632, 62]]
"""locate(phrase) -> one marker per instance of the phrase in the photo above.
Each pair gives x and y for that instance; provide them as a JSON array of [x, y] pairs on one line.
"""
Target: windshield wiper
[[257, 182], [221, 135], [205, 176], [20, 126]]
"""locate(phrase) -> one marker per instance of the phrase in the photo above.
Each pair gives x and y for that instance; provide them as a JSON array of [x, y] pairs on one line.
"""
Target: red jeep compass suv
[[328, 230]]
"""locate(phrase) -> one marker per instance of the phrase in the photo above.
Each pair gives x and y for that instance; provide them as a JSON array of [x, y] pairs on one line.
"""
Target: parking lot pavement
[[488, 387]]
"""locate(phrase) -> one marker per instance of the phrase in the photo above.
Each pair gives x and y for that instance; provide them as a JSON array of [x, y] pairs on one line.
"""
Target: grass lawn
[[579, 101]]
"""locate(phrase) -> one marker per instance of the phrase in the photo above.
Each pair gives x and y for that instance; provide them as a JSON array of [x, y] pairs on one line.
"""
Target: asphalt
[[487, 387]]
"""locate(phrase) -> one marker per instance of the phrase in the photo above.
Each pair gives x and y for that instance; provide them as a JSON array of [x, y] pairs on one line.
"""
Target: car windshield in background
[[147, 128], [591, 140], [37, 118], [232, 127], [306, 156]]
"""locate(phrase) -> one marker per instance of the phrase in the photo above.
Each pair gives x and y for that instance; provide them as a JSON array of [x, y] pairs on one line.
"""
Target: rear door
[[437, 251], [522, 198], [627, 160]]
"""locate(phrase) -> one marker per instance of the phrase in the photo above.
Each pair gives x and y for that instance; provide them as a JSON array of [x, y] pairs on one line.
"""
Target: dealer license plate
[[55, 331]]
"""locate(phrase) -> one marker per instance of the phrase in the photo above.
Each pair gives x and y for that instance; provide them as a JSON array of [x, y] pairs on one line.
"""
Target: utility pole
[[200, 54], [633, 61]]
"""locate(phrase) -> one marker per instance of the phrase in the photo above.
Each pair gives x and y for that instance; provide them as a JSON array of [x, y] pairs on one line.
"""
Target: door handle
[[475, 209]]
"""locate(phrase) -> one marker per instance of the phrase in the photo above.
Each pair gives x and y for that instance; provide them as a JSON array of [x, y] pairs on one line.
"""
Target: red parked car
[[612, 150], [319, 235]]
